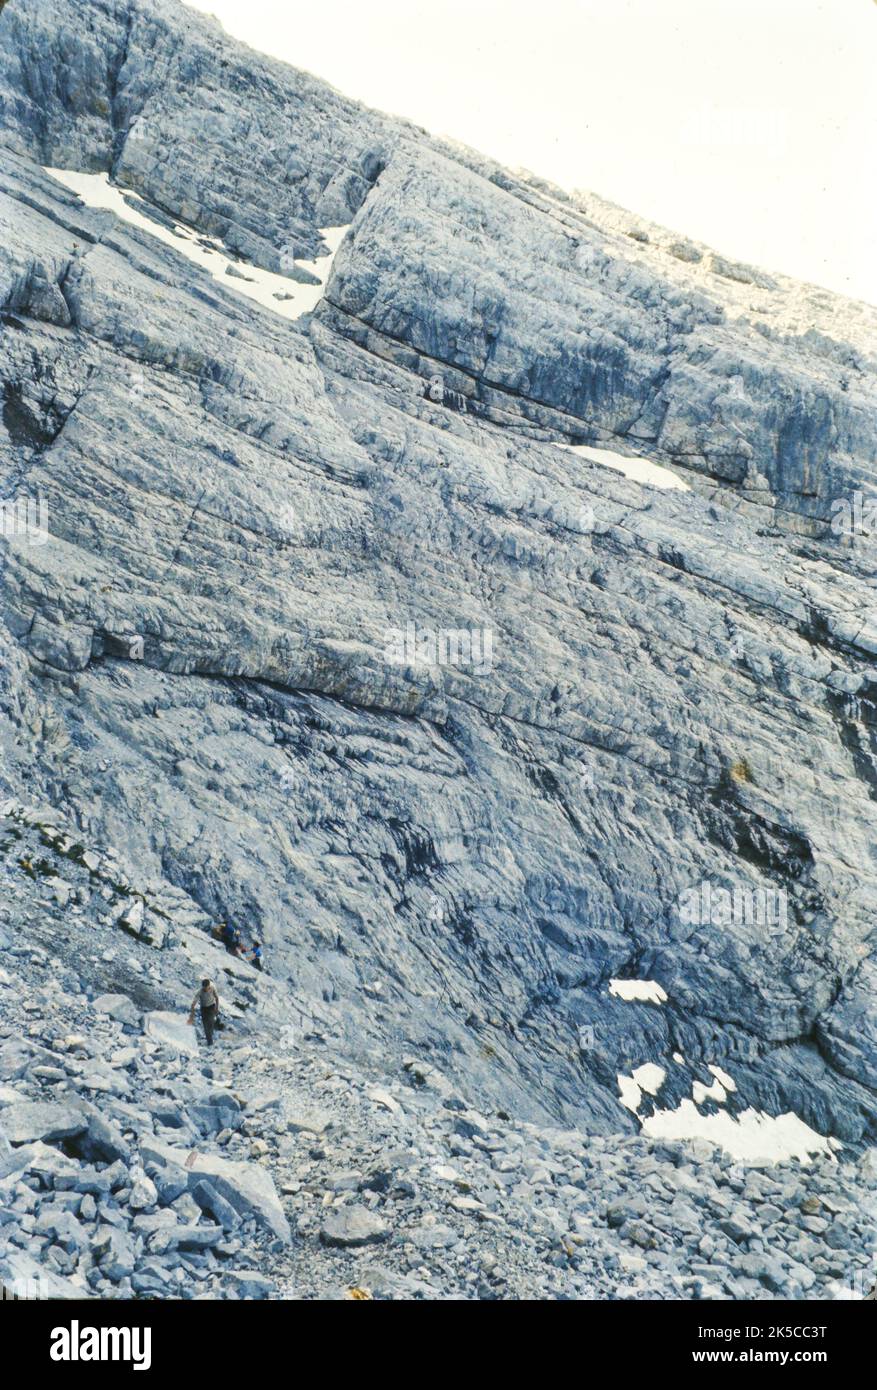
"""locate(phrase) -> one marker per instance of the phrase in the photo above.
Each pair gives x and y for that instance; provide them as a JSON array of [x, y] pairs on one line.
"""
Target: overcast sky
[[748, 124]]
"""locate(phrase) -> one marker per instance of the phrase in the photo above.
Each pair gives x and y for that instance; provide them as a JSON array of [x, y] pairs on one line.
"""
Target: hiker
[[208, 1000], [231, 940], [256, 955]]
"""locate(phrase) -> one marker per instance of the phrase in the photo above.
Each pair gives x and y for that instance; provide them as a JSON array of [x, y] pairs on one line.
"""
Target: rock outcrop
[[455, 720], [278, 1169]]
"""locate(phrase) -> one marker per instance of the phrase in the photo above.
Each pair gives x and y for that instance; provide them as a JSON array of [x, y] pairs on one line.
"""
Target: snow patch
[[648, 990], [630, 1093], [640, 470], [649, 1078], [753, 1137], [264, 286], [723, 1077], [716, 1092]]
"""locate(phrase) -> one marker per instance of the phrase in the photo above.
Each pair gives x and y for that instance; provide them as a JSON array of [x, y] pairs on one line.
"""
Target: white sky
[[747, 124]]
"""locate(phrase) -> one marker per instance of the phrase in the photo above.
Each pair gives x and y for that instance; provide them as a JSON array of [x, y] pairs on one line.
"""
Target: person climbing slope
[[231, 939], [207, 999]]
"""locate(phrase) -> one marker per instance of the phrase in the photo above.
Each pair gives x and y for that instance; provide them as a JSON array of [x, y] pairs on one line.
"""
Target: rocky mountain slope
[[449, 716], [280, 1169]]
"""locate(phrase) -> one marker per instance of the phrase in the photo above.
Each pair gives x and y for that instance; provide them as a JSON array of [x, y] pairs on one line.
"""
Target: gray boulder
[[171, 1031], [114, 1253], [352, 1226], [48, 1121], [210, 1201], [120, 1007], [247, 1188]]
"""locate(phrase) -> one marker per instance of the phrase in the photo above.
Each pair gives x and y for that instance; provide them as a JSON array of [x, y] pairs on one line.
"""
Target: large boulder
[[248, 1189], [48, 1121], [38, 1159], [353, 1226], [172, 1031], [114, 1253], [119, 1007], [102, 1140]]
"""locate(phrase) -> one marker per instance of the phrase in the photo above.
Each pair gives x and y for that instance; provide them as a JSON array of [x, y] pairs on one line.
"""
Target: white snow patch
[[649, 1077], [630, 1093], [677, 1057], [648, 990], [722, 1076], [262, 285], [715, 1092], [640, 470], [753, 1137]]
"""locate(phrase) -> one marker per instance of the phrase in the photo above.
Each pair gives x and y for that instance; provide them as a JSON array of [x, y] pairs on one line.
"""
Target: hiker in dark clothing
[[207, 1000], [231, 940], [256, 955]]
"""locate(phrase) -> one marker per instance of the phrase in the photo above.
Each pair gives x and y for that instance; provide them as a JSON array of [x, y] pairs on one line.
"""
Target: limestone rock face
[[233, 142], [456, 721], [540, 314]]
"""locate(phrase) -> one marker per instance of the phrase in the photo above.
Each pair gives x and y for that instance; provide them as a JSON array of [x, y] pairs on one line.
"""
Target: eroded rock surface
[[209, 696]]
